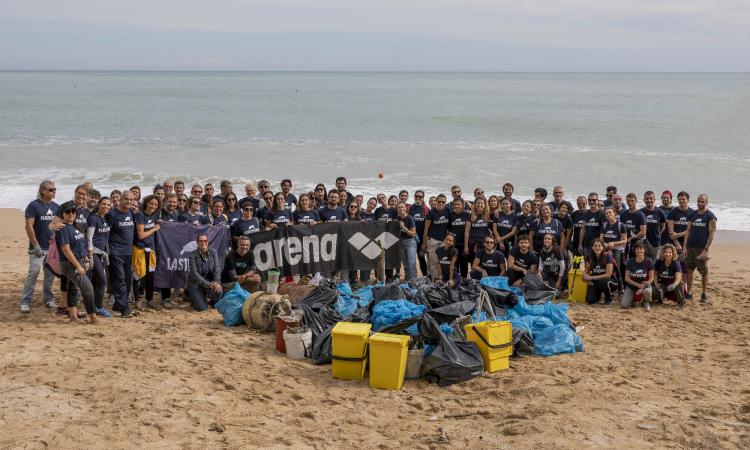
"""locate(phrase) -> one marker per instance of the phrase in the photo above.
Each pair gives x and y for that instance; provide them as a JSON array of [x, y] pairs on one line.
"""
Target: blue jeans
[[201, 297], [36, 265], [121, 273], [408, 252]]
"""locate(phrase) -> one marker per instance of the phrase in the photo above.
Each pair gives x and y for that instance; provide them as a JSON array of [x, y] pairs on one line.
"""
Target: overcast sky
[[420, 35]]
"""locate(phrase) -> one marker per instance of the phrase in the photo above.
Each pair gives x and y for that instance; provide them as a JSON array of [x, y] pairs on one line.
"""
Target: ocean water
[[421, 130]]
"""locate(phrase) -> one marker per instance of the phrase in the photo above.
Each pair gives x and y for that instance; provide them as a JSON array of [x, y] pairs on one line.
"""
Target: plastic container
[[388, 353], [577, 288], [282, 323], [495, 342], [272, 285], [349, 349], [298, 342], [414, 364]]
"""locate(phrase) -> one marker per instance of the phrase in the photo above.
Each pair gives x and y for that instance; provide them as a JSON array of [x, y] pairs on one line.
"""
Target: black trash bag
[[468, 291], [319, 321], [501, 299], [536, 291], [523, 343], [400, 328], [451, 362], [429, 330], [449, 313], [322, 352], [319, 297], [390, 291], [433, 296], [361, 315]]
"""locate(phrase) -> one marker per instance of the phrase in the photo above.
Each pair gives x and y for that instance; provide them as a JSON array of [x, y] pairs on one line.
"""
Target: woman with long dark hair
[[97, 233], [305, 214], [477, 228], [552, 261], [279, 216], [600, 269], [147, 224]]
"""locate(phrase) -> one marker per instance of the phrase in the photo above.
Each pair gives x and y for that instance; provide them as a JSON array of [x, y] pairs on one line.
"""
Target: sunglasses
[[197, 192], [196, 202], [263, 187], [231, 199], [52, 189], [68, 211], [419, 196], [591, 200], [353, 207], [455, 192], [441, 201], [267, 198], [480, 192]]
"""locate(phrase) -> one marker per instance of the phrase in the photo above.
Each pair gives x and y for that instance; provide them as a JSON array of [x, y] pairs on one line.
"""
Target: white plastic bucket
[[413, 364], [297, 344]]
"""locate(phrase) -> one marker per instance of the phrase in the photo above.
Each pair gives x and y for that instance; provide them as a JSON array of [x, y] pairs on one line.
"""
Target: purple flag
[[174, 244]]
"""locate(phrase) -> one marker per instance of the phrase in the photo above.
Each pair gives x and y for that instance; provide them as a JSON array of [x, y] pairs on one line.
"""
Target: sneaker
[[151, 305], [101, 312], [139, 306], [50, 304], [704, 298], [689, 296], [126, 314], [25, 309], [167, 304], [647, 306], [607, 302]]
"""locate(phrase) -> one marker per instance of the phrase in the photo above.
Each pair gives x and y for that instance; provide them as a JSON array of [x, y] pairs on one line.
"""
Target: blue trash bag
[[230, 305], [389, 312], [478, 316], [557, 339], [365, 294], [347, 302], [499, 283], [446, 329], [557, 313]]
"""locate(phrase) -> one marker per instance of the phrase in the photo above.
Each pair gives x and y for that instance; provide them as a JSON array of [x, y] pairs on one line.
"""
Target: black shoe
[[704, 298]]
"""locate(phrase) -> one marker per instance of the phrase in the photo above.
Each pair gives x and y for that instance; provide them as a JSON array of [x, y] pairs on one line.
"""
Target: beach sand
[[179, 379]]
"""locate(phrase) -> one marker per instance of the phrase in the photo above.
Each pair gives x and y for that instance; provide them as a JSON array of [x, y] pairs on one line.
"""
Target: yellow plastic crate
[[577, 287], [495, 342], [388, 360], [349, 349]]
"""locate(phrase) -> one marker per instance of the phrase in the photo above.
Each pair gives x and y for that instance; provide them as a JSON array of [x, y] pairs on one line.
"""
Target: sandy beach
[[179, 379]]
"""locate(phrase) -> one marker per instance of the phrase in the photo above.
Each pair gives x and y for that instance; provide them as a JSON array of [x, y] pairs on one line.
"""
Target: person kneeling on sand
[[669, 277], [239, 267], [639, 276], [203, 282], [73, 245]]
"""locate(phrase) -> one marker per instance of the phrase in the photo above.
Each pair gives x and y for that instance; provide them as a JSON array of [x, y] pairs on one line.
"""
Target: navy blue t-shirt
[[680, 221], [654, 221], [665, 275], [439, 222], [233, 216], [165, 216], [554, 206], [524, 224], [121, 233], [601, 266], [244, 227], [578, 218], [385, 214], [419, 213], [639, 270], [148, 222], [540, 229], [593, 222], [551, 261], [665, 239], [71, 235], [492, 263], [290, 201], [305, 217], [332, 215], [524, 261], [221, 219], [480, 229], [82, 217], [366, 216], [444, 259], [612, 232], [101, 231], [505, 223], [457, 226], [699, 229], [194, 219], [42, 214], [632, 221], [409, 223], [281, 218]]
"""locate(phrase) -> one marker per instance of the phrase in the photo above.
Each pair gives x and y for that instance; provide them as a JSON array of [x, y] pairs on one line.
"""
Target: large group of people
[[106, 243]]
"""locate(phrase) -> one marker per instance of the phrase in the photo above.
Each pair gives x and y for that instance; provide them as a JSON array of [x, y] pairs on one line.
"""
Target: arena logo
[[293, 250], [371, 248]]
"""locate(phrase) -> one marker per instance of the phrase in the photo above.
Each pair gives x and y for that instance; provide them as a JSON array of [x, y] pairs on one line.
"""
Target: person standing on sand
[[97, 234], [698, 240], [666, 208], [38, 217], [435, 228], [74, 263], [122, 231]]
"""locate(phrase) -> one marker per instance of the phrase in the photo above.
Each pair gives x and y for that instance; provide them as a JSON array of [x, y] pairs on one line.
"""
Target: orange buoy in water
[[380, 175]]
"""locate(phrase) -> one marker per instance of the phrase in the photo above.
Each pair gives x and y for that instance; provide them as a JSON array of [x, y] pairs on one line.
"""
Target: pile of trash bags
[[434, 316]]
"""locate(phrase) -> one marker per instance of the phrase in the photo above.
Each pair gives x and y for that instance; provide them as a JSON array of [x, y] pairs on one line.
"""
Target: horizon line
[[380, 71]]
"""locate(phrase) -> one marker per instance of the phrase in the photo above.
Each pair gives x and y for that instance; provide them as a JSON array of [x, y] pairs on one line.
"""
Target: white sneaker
[[51, 304], [25, 308]]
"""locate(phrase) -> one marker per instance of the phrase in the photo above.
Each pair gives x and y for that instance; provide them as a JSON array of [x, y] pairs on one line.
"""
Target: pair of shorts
[[692, 262]]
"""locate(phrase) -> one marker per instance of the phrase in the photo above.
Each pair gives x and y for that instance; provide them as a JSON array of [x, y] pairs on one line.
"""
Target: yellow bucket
[[577, 288], [495, 342], [349, 349], [388, 360]]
